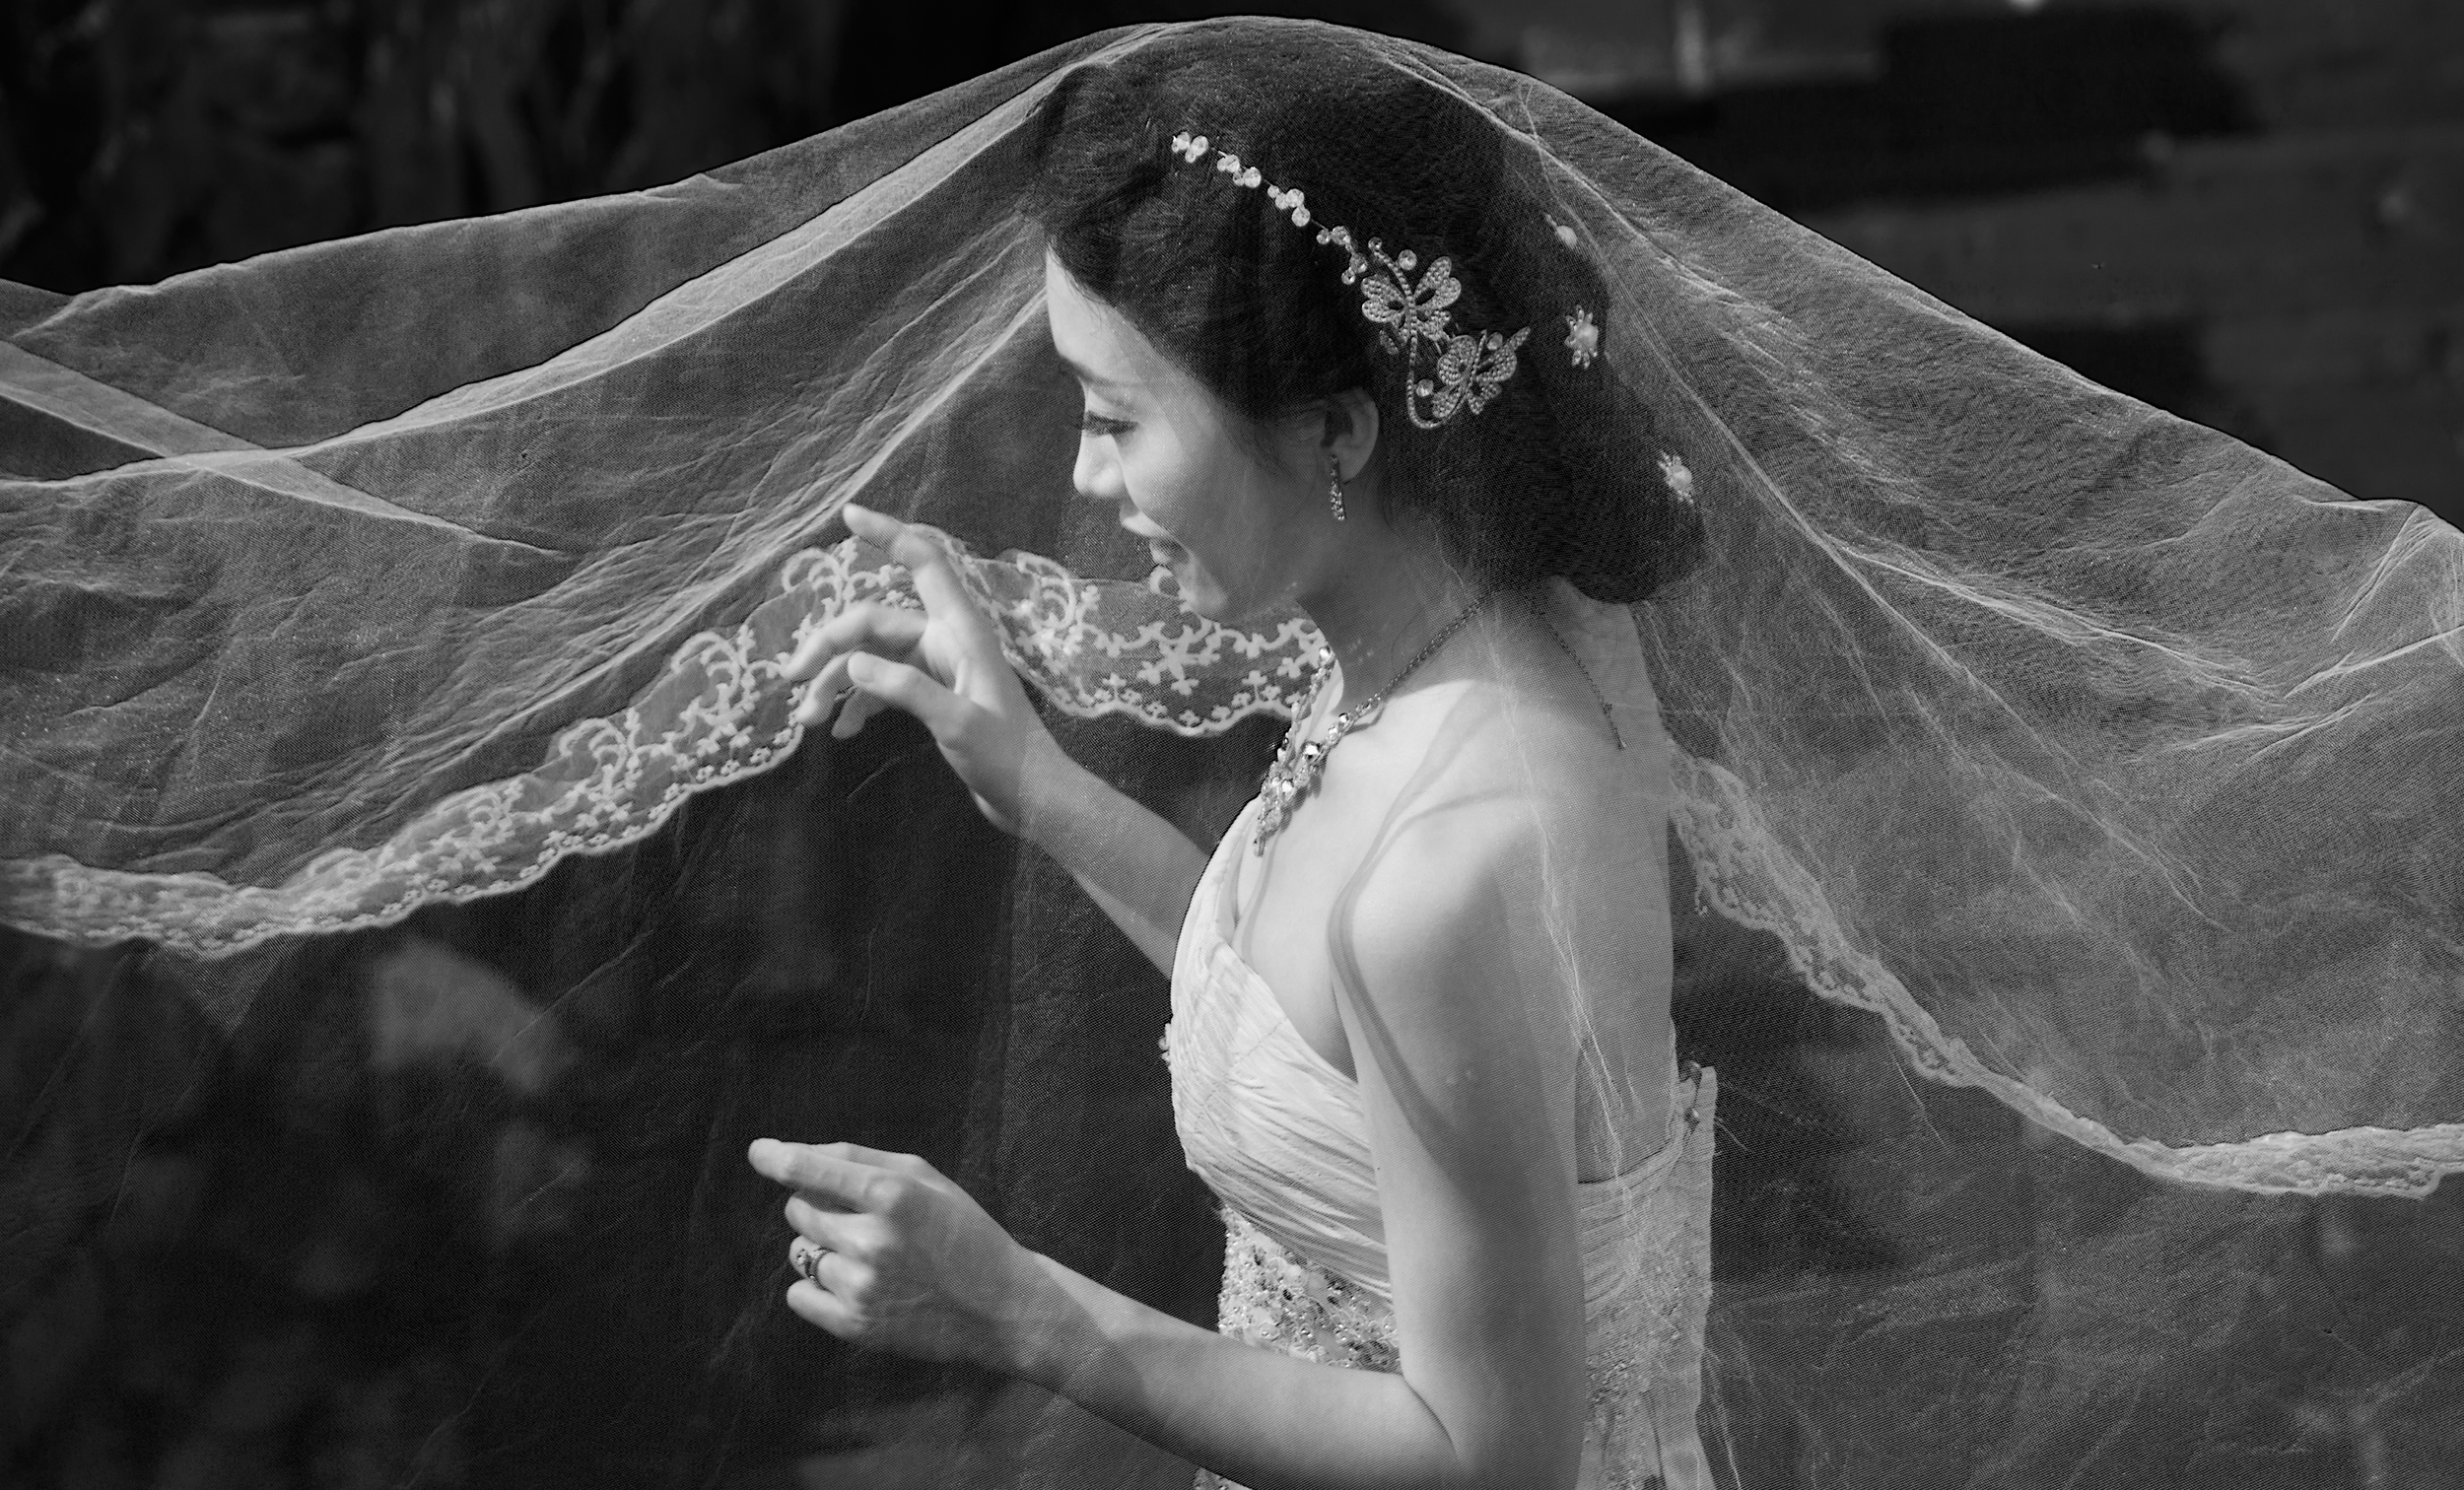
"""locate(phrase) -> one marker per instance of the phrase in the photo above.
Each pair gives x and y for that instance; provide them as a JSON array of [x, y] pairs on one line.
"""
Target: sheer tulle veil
[[2104, 763]]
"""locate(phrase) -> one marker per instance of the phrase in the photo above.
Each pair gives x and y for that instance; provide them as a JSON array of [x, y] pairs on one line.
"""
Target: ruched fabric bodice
[[1282, 1139]]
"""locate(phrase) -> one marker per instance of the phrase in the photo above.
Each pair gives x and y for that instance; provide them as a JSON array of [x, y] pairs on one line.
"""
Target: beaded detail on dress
[[1276, 1299], [1643, 1336]]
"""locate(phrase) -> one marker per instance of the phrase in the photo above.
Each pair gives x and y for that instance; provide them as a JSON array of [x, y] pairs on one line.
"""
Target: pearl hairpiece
[[1410, 304], [1582, 337], [1680, 478]]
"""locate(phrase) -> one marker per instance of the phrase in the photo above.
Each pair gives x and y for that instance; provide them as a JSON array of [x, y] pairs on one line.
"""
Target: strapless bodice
[[1281, 1136]]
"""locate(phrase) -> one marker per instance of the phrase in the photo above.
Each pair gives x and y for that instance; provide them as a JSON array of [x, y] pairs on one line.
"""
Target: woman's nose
[[1097, 476]]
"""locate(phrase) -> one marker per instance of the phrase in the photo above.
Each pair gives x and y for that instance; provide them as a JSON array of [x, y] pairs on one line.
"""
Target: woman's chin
[[1208, 604], [1201, 594], [1213, 602], [1194, 590]]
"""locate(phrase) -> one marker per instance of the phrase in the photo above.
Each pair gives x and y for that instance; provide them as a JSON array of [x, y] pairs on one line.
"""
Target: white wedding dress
[[1281, 1137]]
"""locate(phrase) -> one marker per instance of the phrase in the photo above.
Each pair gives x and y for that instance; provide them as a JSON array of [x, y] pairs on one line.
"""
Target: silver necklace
[[1616, 735], [1299, 762]]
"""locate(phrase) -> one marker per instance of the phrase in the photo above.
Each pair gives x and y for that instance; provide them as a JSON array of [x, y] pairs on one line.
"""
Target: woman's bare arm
[[1455, 997], [913, 1265], [945, 667], [1138, 868], [1475, 1176], [1460, 1032]]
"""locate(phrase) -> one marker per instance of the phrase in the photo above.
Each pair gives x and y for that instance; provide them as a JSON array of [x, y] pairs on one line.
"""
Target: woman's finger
[[909, 688], [855, 714], [944, 598], [830, 690], [822, 657], [824, 1177], [928, 564], [822, 700], [830, 687], [888, 1159], [845, 1232], [833, 1271], [819, 1306], [886, 628], [879, 529]]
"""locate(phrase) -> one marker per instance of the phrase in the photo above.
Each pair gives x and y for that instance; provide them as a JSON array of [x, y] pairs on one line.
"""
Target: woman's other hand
[[908, 1262], [943, 665]]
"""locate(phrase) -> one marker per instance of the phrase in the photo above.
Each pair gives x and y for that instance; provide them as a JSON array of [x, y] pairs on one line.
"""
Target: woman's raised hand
[[895, 1255], [944, 666]]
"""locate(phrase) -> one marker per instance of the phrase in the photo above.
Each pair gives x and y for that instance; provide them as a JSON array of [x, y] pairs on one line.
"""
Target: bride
[[1334, 358], [373, 608]]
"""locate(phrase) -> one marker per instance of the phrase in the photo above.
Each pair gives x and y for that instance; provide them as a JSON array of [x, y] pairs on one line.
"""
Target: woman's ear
[[1351, 430]]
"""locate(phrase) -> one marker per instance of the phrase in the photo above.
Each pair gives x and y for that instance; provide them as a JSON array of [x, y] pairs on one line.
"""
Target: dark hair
[[1560, 474]]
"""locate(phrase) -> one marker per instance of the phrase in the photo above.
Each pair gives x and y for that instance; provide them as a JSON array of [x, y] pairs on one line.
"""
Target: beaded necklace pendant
[[1298, 761]]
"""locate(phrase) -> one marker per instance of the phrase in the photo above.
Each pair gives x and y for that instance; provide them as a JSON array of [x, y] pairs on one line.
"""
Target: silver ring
[[806, 1255]]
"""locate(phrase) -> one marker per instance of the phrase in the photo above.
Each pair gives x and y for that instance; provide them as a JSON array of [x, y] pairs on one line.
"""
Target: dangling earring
[[1334, 486]]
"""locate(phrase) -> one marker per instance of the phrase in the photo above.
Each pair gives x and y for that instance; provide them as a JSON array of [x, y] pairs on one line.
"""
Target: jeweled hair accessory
[[1678, 476], [1446, 371]]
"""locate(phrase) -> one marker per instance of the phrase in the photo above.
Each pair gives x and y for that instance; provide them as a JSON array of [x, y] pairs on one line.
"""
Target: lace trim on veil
[[1742, 872], [1093, 647], [720, 712]]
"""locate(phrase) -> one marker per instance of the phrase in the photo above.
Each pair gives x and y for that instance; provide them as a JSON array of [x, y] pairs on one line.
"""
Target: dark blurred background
[[2250, 212]]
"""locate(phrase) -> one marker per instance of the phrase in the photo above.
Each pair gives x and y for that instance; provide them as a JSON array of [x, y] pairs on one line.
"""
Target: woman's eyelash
[[1093, 423]]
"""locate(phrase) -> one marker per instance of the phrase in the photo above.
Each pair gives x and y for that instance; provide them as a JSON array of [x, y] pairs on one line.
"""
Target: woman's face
[[1162, 451]]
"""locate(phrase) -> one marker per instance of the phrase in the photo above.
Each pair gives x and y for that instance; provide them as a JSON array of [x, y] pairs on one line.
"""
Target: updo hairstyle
[[1559, 474]]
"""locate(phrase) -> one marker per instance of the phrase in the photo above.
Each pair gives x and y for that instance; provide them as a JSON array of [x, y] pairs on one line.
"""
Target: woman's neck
[[1392, 596]]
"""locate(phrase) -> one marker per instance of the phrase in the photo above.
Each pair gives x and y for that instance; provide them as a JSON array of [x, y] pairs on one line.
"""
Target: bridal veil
[[2070, 754]]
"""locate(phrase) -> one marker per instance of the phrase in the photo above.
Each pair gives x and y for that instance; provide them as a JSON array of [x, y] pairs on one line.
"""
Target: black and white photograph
[[1491, 744]]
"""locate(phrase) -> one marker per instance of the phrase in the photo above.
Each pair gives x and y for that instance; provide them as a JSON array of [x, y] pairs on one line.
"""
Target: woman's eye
[[1095, 424]]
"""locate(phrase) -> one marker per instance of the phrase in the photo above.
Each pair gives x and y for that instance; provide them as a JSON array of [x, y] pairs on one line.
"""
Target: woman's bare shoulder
[[1502, 753], [1516, 800]]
